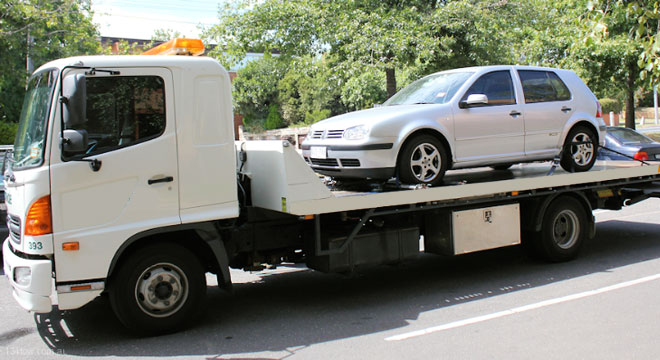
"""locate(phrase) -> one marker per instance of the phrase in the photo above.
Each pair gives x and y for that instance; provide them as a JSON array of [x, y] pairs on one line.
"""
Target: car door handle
[[514, 113], [566, 109], [161, 180]]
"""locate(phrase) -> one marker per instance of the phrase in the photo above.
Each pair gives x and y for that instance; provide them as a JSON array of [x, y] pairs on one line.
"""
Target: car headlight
[[356, 132]]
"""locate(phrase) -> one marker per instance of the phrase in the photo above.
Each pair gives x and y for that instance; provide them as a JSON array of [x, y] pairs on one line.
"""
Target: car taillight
[[641, 156], [599, 111]]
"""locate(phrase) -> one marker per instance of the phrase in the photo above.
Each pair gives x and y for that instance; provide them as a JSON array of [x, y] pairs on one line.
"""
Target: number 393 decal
[[35, 245]]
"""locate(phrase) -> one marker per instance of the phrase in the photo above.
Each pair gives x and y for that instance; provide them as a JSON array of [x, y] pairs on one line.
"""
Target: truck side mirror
[[74, 97], [75, 142]]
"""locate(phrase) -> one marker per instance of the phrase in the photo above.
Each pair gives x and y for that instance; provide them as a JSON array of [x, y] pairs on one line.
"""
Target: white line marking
[[538, 305]]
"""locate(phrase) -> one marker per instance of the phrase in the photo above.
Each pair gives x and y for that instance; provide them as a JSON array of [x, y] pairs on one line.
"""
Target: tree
[[610, 24], [166, 34], [33, 32], [382, 34], [255, 90]]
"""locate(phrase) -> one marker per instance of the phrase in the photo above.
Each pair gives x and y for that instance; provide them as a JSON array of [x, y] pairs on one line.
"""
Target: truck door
[[131, 131]]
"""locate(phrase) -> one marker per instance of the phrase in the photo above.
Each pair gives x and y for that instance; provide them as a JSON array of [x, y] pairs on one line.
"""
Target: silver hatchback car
[[480, 116]]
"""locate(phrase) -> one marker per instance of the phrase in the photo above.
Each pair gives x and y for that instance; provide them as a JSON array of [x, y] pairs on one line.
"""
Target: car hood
[[382, 114]]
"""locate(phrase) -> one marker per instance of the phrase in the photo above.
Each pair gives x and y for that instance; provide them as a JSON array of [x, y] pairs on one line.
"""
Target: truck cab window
[[123, 111]]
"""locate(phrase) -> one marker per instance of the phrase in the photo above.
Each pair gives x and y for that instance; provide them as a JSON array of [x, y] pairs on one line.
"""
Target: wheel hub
[[583, 150], [161, 290], [425, 162], [566, 229]]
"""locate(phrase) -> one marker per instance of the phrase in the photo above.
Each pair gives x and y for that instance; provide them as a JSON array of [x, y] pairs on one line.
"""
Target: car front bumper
[[352, 161]]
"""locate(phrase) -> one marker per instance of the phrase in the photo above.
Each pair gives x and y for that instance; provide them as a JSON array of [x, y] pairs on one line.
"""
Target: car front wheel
[[423, 160]]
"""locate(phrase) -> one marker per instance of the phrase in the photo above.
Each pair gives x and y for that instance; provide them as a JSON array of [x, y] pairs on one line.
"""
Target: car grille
[[14, 226], [334, 134], [350, 162], [324, 162], [334, 162], [327, 134]]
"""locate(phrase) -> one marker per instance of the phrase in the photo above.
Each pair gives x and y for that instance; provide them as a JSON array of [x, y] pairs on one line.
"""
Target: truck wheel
[[159, 289], [423, 160], [580, 150], [563, 230]]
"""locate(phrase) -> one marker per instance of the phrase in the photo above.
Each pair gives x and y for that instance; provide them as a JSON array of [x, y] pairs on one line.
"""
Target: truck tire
[[158, 289], [580, 157], [563, 231], [422, 160]]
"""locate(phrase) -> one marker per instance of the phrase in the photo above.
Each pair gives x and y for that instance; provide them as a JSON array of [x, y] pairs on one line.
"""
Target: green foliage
[[38, 31], [316, 116], [611, 105], [255, 89], [273, 120], [166, 34], [364, 90], [344, 55], [310, 85], [7, 132]]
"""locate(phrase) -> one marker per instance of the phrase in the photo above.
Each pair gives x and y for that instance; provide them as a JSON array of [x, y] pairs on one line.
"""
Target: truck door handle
[[161, 180], [514, 113], [566, 109]]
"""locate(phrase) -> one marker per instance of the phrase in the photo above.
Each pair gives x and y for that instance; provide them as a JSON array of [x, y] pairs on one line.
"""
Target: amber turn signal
[[71, 246], [38, 220]]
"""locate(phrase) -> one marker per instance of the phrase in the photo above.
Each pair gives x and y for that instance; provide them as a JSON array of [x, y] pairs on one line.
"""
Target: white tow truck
[[126, 179]]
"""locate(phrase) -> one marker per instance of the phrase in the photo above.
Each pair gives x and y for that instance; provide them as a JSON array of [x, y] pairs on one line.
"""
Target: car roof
[[486, 68]]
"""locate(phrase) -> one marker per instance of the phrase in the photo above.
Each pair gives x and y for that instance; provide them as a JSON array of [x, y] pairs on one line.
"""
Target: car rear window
[[543, 86]]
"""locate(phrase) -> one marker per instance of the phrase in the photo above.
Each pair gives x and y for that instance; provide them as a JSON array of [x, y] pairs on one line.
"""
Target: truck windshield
[[432, 89], [31, 134]]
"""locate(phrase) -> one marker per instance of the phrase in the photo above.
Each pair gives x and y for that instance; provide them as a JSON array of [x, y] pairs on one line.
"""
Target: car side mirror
[[474, 100], [74, 98], [74, 142]]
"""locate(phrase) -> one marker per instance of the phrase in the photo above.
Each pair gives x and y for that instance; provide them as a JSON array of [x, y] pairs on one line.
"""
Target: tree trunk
[[391, 82], [630, 97]]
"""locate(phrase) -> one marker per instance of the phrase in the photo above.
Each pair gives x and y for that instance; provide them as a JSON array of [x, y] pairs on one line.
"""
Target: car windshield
[[432, 89], [31, 134], [628, 137]]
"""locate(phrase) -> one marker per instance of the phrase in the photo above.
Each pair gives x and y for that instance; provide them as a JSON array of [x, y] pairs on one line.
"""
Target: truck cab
[[110, 150]]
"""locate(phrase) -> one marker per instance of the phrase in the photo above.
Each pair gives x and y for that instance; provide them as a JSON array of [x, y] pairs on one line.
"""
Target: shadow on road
[[284, 313]]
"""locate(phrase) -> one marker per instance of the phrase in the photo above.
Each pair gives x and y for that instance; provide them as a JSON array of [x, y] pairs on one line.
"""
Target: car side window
[[543, 86], [123, 111], [496, 85]]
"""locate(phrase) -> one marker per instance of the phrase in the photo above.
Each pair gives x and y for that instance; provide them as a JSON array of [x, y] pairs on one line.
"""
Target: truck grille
[[14, 226]]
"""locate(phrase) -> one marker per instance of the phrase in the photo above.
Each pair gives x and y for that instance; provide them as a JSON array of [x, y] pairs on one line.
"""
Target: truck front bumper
[[31, 279]]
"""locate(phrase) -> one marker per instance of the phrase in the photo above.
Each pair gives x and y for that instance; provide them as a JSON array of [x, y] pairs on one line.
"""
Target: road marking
[[518, 310]]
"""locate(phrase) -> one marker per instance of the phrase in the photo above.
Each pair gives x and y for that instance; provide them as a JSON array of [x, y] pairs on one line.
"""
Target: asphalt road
[[492, 305]]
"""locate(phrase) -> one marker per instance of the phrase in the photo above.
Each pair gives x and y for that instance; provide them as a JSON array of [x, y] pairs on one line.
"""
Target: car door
[[131, 129], [548, 106], [492, 131]]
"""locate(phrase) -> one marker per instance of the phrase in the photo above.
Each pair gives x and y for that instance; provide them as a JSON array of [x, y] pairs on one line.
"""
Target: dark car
[[628, 142]]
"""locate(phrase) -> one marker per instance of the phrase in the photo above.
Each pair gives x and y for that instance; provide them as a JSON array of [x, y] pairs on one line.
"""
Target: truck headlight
[[356, 132], [22, 275]]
